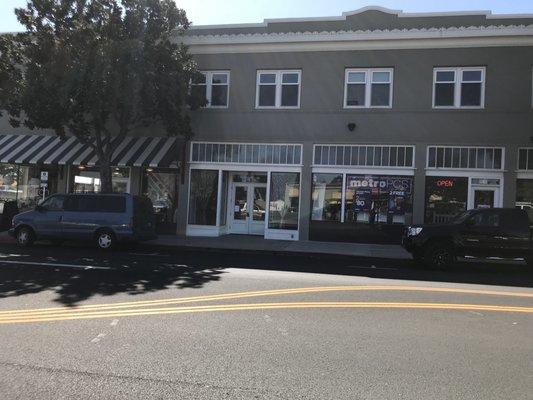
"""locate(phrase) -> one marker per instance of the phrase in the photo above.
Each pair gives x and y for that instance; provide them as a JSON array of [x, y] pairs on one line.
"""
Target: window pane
[[201, 78], [432, 158], [284, 200], [355, 95], [219, 95], [199, 92], [327, 197], [522, 159], [445, 76], [444, 94], [203, 197], [408, 156], [380, 77], [471, 94], [220, 78], [289, 95], [267, 96], [445, 198], [380, 94], [267, 78], [456, 154], [356, 77], [290, 78], [471, 76]]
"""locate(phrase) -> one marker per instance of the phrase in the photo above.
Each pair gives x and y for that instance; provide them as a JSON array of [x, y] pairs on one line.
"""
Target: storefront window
[[284, 200], [203, 197], [445, 198], [87, 180], [524, 195], [327, 197], [373, 199], [22, 184], [160, 186]]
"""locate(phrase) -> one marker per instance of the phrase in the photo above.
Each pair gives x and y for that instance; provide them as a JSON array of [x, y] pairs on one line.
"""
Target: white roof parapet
[[399, 13]]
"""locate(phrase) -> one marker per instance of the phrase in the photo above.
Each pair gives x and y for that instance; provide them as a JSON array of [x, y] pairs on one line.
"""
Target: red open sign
[[445, 183]]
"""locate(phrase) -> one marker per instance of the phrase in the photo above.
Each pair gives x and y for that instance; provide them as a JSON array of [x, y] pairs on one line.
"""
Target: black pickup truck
[[496, 233]]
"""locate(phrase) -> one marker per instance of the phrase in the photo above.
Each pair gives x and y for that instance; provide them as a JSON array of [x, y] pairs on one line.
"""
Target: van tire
[[439, 255], [25, 236], [105, 239]]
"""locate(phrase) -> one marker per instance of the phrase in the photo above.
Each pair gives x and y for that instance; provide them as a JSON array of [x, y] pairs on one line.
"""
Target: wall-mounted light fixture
[[351, 126]]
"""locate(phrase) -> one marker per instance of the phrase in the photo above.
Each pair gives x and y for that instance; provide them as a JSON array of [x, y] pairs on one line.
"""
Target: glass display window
[[445, 198]]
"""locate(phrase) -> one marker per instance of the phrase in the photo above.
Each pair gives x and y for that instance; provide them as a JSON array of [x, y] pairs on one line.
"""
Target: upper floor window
[[278, 89], [459, 87], [365, 88], [214, 87]]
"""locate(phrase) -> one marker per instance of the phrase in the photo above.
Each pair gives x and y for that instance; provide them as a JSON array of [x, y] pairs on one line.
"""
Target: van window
[[88, 203], [54, 203], [113, 204]]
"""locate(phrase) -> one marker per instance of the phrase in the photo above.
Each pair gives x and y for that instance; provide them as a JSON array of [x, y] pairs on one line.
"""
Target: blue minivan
[[106, 219]]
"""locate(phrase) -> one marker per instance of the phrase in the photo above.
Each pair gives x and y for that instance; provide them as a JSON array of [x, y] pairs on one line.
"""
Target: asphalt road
[[78, 323]]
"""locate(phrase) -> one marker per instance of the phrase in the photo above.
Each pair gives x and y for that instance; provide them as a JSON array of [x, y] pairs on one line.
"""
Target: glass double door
[[248, 208]]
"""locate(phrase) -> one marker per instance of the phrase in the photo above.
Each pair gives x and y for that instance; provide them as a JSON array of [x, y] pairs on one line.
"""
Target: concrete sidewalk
[[257, 243]]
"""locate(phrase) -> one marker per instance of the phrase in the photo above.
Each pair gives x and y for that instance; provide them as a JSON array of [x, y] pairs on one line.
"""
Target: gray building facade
[[342, 128], [396, 118]]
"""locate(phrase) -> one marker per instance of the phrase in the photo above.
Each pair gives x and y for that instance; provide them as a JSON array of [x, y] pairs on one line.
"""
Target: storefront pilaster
[[510, 176], [419, 195], [305, 190]]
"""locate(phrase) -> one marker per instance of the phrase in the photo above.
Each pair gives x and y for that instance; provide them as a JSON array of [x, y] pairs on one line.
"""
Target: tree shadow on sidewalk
[[74, 286]]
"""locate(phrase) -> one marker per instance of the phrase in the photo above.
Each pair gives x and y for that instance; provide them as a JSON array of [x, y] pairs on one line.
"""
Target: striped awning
[[130, 151]]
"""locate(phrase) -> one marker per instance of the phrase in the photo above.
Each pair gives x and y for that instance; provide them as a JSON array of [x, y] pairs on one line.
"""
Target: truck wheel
[[439, 255], [25, 236]]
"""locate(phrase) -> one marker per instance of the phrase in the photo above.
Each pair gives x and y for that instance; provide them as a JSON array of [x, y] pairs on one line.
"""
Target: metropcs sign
[[383, 183]]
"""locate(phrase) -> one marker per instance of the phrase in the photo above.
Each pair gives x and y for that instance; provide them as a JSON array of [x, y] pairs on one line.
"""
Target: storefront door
[[484, 197], [248, 208]]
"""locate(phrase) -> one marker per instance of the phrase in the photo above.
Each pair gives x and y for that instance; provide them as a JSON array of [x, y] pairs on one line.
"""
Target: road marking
[[41, 264], [98, 338], [273, 306], [240, 295]]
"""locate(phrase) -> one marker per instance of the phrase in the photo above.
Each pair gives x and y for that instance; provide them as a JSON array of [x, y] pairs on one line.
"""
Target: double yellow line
[[154, 307]]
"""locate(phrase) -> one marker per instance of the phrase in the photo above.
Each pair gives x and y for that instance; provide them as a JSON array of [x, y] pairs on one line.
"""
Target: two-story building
[[338, 129], [347, 128]]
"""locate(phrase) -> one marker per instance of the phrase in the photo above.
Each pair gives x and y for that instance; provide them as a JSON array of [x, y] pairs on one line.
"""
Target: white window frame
[[368, 86], [457, 82], [209, 87], [279, 84]]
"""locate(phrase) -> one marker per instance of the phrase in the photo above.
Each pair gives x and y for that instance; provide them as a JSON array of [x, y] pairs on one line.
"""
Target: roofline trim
[[400, 13]]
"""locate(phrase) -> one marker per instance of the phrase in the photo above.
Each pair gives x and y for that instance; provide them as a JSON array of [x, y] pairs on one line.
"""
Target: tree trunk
[[106, 184]]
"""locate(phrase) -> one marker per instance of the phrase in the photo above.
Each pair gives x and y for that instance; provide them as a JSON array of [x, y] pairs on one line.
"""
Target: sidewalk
[[257, 243]]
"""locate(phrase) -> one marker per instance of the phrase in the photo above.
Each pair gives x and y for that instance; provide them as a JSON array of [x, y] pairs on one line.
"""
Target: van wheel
[[105, 240], [25, 236], [439, 255]]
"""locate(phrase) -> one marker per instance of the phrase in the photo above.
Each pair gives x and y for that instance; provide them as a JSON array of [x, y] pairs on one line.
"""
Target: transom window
[[462, 87], [366, 88], [465, 157], [367, 156], [213, 86], [246, 153], [278, 89], [525, 159]]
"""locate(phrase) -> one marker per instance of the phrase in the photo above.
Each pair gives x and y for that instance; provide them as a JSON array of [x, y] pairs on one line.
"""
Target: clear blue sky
[[238, 11]]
